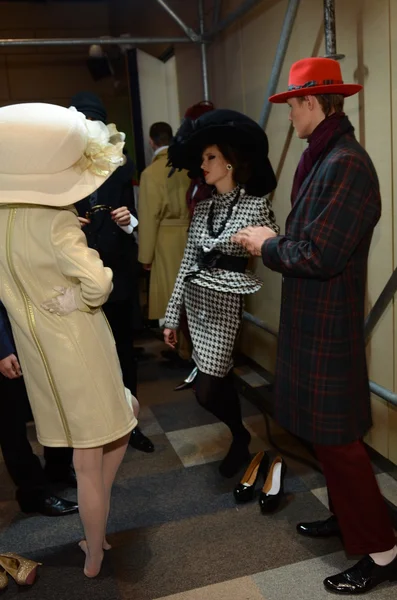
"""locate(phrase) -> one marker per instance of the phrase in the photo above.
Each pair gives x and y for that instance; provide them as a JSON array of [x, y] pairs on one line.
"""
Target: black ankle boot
[[237, 456]]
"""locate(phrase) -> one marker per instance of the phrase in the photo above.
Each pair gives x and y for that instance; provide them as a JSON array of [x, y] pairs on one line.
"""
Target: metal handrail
[[381, 304], [375, 388]]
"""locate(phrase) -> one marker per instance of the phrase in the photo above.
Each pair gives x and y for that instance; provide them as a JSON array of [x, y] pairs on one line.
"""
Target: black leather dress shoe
[[139, 441], [62, 479], [361, 578], [320, 529], [49, 506]]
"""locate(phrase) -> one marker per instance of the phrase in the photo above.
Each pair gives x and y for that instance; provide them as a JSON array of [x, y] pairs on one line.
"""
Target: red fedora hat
[[311, 76]]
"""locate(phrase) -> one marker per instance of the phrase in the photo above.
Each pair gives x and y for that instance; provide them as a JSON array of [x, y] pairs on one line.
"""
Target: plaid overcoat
[[322, 388]]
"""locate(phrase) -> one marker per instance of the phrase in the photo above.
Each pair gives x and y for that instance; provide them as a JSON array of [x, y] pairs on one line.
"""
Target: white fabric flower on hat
[[104, 151]]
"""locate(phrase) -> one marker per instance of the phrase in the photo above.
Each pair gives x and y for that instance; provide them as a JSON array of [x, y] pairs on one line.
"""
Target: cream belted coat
[[163, 227], [69, 363]]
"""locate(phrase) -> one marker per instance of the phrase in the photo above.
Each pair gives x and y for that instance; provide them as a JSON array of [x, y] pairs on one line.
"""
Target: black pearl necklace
[[215, 233]]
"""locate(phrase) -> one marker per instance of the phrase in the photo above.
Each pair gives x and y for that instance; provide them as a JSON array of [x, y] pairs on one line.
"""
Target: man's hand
[[170, 337], [83, 221], [252, 238], [10, 367], [147, 267], [121, 216]]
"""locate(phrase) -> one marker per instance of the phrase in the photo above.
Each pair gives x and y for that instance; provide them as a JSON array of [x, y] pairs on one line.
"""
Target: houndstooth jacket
[[249, 211]]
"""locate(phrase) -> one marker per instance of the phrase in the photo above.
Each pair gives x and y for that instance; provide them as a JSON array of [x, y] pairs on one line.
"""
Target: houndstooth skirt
[[214, 320]]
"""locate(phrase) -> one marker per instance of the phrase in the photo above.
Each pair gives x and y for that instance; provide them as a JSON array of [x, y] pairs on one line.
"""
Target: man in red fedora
[[322, 389]]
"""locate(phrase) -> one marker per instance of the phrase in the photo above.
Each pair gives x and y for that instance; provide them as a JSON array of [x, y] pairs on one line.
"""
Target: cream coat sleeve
[[151, 195], [76, 260]]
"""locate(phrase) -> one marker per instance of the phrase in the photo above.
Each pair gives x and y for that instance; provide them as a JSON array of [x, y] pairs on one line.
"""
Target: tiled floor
[[176, 531]]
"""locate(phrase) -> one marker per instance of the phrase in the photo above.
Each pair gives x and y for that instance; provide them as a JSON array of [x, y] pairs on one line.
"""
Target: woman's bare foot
[[92, 564], [105, 544]]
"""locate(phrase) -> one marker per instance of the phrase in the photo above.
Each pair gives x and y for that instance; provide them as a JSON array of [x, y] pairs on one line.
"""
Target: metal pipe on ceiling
[[216, 13], [192, 36], [330, 30], [242, 10], [188, 30], [203, 48], [278, 62], [89, 41]]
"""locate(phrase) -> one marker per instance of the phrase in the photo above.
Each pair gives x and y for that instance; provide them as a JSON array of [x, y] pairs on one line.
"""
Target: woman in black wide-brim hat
[[230, 151]]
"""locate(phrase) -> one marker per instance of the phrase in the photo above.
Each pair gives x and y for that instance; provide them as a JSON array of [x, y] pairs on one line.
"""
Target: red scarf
[[320, 141]]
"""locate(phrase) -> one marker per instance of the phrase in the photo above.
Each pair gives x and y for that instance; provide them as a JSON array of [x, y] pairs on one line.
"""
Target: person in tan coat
[[163, 221], [53, 286]]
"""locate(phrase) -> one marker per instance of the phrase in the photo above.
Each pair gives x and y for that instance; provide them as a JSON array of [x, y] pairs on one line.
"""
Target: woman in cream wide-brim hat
[[53, 286]]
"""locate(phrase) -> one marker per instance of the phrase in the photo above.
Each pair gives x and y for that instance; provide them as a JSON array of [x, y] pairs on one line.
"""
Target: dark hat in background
[[195, 111], [222, 126], [90, 105]]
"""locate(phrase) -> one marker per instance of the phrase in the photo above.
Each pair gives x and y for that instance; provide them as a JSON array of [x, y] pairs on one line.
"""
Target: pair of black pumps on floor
[[273, 488]]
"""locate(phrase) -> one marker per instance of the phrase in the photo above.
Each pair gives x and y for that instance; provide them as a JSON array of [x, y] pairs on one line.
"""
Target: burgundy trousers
[[355, 498]]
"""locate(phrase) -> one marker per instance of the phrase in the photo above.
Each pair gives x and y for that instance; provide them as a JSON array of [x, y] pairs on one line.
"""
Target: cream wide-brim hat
[[54, 156]]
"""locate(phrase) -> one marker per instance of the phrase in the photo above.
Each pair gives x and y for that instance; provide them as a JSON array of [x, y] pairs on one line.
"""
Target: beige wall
[[190, 85], [241, 62], [54, 74], [49, 74]]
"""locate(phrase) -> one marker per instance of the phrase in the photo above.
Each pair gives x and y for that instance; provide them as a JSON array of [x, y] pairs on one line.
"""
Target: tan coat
[[69, 363], [163, 227]]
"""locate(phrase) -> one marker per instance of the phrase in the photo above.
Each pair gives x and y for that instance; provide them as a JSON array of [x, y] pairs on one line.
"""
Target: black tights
[[218, 395]]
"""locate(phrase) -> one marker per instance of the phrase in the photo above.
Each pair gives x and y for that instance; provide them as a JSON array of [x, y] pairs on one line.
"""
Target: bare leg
[[88, 463], [113, 454], [135, 405]]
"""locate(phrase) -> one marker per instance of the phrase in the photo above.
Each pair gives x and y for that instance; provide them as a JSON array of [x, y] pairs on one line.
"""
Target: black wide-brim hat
[[222, 126], [90, 105]]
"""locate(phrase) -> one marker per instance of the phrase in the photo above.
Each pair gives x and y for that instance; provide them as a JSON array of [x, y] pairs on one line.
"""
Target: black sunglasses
[[98, 208]]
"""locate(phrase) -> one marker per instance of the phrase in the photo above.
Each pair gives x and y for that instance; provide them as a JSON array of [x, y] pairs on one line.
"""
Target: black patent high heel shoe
[[188, 382], [245, 490], [273, 490]]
